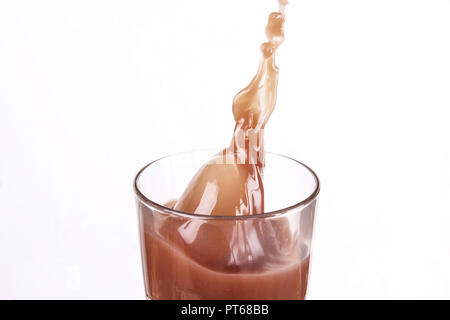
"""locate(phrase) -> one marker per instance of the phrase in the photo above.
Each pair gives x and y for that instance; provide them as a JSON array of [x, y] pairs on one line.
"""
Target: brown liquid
[[182, 277], [236, 188], [187, 258], [229, 259]]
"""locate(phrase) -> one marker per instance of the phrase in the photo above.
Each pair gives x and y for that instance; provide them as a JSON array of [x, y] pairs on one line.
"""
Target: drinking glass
[[194, 256]]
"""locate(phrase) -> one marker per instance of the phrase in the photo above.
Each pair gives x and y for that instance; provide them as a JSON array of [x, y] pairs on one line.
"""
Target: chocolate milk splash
[[202, 258], [231, 183]]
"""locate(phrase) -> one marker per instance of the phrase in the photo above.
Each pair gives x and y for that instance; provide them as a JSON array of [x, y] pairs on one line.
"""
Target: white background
[[90, 91]]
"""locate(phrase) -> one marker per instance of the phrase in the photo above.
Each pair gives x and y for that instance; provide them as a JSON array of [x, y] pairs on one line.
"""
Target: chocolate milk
[[230, 258], [232, 184]]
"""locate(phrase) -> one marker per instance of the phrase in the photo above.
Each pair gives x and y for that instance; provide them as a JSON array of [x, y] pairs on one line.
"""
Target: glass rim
[[275, 213]]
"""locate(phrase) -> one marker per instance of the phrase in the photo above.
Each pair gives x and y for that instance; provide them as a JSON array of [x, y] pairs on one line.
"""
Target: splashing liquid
[[188, 258], [231, 183]]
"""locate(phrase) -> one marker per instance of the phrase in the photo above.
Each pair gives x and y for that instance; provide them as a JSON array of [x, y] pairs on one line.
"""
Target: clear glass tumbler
[[192, 256]]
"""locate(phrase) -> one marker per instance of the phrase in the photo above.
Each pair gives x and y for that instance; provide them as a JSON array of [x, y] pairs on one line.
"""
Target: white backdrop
[[90, 91]]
